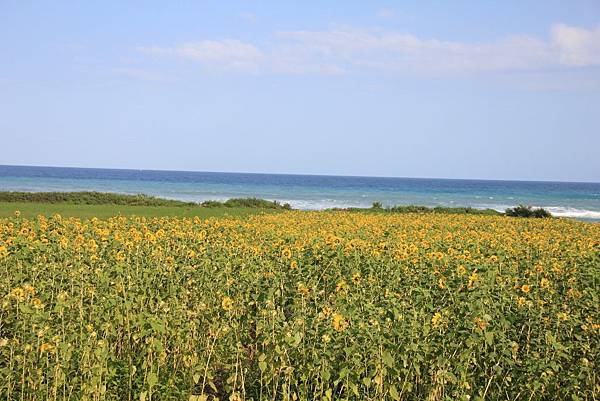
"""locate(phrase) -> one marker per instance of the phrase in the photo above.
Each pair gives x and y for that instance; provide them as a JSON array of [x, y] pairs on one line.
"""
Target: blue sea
[[567, 199]]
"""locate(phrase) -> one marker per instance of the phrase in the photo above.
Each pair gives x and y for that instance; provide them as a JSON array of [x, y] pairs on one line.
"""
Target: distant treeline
[[247, 202], [519, 211], [103, 198], [90, 198], [377, 207]]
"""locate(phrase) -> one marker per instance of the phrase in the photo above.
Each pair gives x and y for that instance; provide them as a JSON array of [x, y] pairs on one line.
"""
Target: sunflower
[[47, 347], [227, 303], [339, 322], [435, 320]]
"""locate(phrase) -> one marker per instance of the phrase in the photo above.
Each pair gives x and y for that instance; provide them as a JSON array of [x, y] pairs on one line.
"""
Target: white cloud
[[392, 51], [577, 46], [229, 54], [348, 50]]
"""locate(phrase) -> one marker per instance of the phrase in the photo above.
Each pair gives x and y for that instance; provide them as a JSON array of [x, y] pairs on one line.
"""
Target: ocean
[[565, 199]]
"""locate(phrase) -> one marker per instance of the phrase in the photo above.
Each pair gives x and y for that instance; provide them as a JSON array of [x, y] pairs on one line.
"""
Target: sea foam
[[560, 211]]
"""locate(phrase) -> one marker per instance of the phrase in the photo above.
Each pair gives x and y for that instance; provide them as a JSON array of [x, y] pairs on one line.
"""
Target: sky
[[460, 89]]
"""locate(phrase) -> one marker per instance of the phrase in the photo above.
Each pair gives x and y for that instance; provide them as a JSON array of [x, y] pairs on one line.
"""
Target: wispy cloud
[[228, 54], [385, 12], [351, 50]]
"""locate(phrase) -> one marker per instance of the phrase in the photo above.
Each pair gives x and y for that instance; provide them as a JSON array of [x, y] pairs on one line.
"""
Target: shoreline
[[132, 203], [312, 192]]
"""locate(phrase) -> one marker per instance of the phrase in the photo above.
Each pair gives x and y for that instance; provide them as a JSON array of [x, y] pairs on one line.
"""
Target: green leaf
[[24, 308], [158, 346], [394, 393], [143, 395], [297, 339], [388, 359], [152, 379], [157, 326], [489, 337], [262, 365]]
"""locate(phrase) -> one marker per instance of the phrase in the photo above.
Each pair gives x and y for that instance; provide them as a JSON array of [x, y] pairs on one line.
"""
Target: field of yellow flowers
[[300, 306]]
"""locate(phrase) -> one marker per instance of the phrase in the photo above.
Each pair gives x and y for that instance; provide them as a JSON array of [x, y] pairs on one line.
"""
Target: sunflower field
[[300, 306]]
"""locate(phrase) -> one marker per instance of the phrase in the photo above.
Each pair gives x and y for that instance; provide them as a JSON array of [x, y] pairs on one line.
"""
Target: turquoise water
[[580, 200]]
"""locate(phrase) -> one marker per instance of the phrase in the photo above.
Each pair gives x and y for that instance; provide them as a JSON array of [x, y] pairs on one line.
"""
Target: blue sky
[[461, 89]]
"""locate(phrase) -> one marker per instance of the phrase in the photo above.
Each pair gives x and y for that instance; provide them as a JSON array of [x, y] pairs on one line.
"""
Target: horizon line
[[301, 174]]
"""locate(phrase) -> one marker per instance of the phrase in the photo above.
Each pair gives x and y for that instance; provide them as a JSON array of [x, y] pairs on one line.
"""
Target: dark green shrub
[[527, 211], [541, 213], [423, 209], [211, 203], [255, 203], [102, 198], [376, 205], [90, 198]]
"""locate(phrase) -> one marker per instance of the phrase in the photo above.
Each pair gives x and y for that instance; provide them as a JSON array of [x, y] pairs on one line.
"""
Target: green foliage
[[527, 211], [247, 203], [443, 210], [377, 207], [102, 198], [90, 198], [299, 306]]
